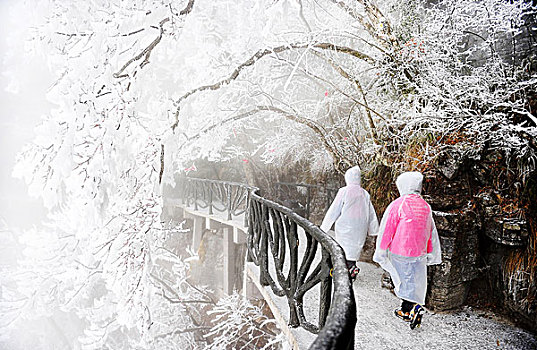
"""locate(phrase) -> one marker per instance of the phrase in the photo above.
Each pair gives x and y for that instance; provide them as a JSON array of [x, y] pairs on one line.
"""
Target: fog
[[247, 91], [22, 103]]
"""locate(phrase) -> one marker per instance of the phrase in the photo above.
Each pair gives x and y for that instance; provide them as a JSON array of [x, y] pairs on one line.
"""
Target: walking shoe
[[354, 271], [405, 316], [415, 316]]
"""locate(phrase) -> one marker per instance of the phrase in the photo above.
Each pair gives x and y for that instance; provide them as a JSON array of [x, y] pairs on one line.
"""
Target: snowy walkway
[[378, 329]]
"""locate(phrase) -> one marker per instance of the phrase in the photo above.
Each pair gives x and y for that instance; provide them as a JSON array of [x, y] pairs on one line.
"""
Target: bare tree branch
[[364, 104], [177, 300], [374, 14], [180, 331], [347, 76], [146, 52], [181, 301], [372, 126], [161, 164], [188, 8]]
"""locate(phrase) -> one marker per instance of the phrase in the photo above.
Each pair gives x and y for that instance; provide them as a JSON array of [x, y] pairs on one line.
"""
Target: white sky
[[19, 113]]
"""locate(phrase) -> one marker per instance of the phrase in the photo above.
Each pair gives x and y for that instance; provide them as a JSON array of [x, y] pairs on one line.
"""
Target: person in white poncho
[[407, 242], [354, 218]]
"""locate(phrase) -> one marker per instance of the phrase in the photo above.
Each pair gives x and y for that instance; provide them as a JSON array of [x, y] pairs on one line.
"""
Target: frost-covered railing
[[273, 245], [221, 196], [302, 194]]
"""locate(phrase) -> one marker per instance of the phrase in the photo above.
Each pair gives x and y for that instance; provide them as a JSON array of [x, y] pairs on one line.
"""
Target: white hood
[[353, 215], [409, 182], [353, 176]]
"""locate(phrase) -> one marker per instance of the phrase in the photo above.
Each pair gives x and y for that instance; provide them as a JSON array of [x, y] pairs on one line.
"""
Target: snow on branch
[[146, 52], [377, 26], [317, 129], [260, 54]]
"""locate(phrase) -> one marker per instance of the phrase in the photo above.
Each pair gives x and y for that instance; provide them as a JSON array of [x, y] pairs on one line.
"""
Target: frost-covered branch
[[146, 53], [377, 26], [181, 331], [260, 54], [339, 158]]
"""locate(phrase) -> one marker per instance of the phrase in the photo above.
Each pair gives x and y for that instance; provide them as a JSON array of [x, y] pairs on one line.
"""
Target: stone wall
[[481, 217], [450, 281], [449, 192]]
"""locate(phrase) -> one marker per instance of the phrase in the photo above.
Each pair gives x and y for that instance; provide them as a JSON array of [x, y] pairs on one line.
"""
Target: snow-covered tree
[[144, 88], [392, 80], [98, 164], [241, 325]]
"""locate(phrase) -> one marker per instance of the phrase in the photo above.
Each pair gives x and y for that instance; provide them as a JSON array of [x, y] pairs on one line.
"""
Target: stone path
[[377, 328]]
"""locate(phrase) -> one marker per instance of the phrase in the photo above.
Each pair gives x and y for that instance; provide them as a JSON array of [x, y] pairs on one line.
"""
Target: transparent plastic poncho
[[408, 240], [353, 215]]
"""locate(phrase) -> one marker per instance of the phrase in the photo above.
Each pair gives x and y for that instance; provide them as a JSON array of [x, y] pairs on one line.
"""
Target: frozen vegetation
[[145, 90]]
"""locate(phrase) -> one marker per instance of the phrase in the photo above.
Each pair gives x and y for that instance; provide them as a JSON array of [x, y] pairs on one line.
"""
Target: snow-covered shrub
[[240, 325]]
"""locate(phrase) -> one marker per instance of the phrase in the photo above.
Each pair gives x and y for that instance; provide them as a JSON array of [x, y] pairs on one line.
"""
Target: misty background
[[81, 289], [22, 103]]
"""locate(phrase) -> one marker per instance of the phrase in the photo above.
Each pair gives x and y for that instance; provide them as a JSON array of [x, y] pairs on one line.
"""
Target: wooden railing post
[[210, 199], [228, 190], [326, 289], [263, 251], [229, 260], [293, 270], [196, 196], [247, 211], [308, 200]]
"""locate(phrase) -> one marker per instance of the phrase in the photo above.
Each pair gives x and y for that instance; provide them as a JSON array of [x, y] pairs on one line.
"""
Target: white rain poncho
[[353, 214], [408, 241]]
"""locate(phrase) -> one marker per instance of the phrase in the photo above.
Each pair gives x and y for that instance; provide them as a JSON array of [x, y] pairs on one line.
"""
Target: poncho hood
[[409, 183], [353, 176]]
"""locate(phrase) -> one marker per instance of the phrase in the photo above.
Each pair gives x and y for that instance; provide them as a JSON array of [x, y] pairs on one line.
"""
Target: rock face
[[450, 281], [482, 222], [458, 226]]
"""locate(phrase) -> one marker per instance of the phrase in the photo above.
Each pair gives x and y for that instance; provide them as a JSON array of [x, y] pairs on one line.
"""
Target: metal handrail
[[275, 227]]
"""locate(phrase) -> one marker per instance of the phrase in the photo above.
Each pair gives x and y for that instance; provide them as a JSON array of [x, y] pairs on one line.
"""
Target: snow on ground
[[377, 328]]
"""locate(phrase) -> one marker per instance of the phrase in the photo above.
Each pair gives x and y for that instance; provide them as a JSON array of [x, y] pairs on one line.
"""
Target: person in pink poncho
[[354, 217], [406, 243]]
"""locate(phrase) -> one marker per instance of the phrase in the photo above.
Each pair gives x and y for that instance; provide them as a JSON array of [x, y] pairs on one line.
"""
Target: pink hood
[[409, 224]]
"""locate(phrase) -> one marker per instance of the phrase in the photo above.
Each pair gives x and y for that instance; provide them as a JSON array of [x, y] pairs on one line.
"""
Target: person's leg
[[416, 315], [406, 306], [403, 312], [353, 269]]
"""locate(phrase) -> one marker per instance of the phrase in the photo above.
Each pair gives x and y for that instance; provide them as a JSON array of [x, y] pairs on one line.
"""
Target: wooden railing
[[273, 245], [223, 196], [303, 194]]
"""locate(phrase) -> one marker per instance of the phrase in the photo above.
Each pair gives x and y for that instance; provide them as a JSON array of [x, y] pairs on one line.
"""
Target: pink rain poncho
[[408, 241], [353, 214]]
